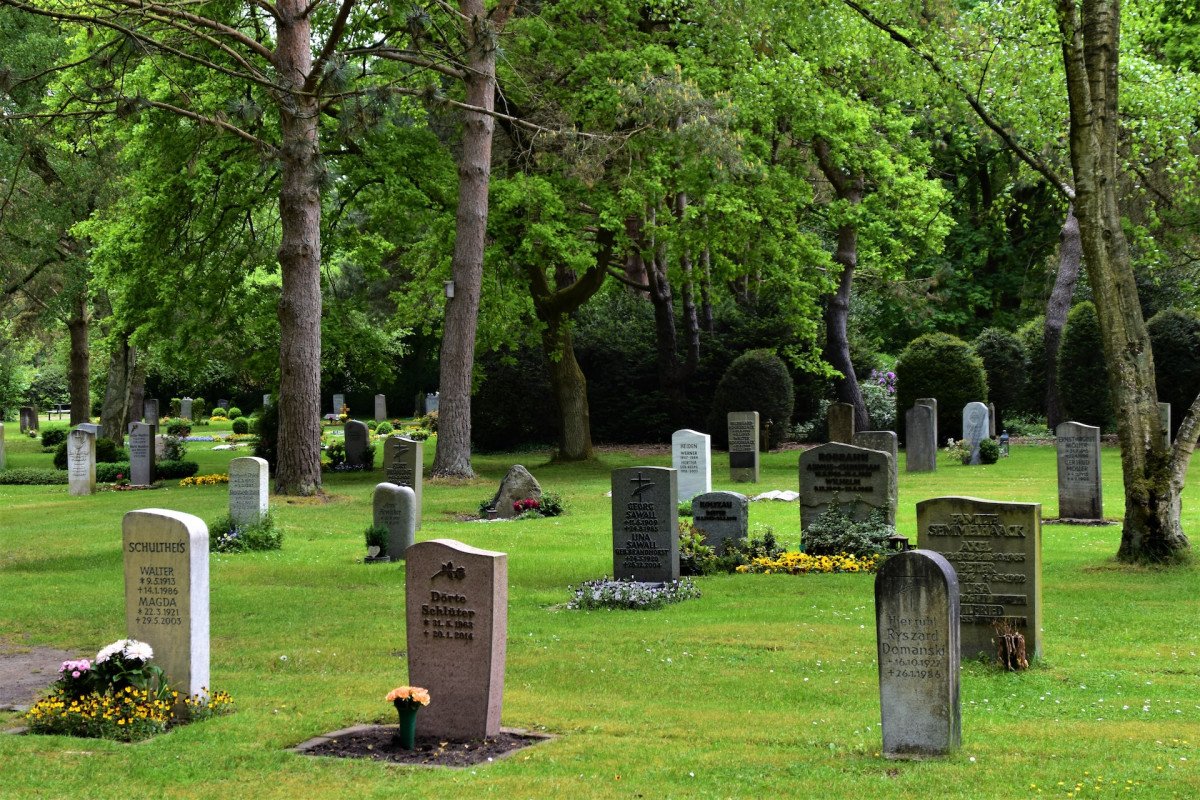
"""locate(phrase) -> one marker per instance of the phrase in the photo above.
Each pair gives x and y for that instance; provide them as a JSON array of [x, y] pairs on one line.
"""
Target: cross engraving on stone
[[642, 483]]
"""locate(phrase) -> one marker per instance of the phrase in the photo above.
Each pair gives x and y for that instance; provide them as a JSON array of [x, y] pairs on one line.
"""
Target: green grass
[[765, 686]]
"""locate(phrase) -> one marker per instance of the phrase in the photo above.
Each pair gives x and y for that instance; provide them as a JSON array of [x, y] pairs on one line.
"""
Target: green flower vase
[[406, 734]]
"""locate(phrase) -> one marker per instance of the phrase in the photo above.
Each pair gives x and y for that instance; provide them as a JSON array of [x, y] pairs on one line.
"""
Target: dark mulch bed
[[376, 742]]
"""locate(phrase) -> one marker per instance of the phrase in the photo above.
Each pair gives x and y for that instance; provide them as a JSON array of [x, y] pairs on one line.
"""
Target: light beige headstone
[[248, 489]]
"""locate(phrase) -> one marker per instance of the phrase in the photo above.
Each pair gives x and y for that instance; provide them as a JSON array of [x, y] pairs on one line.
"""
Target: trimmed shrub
[[175, 470], [54, 435], [989, 451], [33, 476], [1082, 377], [1175, 339], [383, 428], [179, 427], [836, 531], [372, 425], [1004, 362], [218, 413], [1033, 338], [198, 408], [266, 427], [429, 422], [944, 367], [227, 536], [176, 406], [109, 473], [234, 412], [107, 452], [241, 425], [755, 381]]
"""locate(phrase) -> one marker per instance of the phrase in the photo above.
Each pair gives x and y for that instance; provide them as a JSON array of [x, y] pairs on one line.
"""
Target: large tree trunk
[[78, 366], [1070, 255], [453, 456], [1152, 478], [115, 413], [849, 188], [298, 469]]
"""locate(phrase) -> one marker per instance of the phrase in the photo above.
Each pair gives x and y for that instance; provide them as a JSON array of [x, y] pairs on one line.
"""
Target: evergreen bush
[[1082, 377], [944, 367], [107, 473], [33, 476], [176, 470], [755, 381], [1175, 339], [1033, 338], [1004, 362], [836, 531], [106, 452], [54, 435], [266, 428], [241, 425], [384, 428], [233, 413]]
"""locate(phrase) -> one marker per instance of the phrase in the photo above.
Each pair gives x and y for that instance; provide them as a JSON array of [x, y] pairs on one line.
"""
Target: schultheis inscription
[[157, 592]]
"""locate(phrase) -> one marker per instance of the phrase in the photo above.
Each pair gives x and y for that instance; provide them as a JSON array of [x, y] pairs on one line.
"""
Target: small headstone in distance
[[404, 465], [394, 507], [141, 453], [840, 418], [380, 407], [645, 524], [185, 408], [248, 489], [457, 626], [150, 411], [723, 516], [357, 437], [1079, 486], [743, 446], [432, 402], [81, 462], [339, 401], [691, 456], [975, 428], [920, 446], [916, 623]]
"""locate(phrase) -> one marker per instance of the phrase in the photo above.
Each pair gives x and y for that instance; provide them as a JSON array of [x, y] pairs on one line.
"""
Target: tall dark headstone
[[645, 521], [150, 411], [920, 448], [743, 446], [141, 453], [1079, 488], [932, 403], [185, 408], [380, 407], [404, 465], [357, 440]]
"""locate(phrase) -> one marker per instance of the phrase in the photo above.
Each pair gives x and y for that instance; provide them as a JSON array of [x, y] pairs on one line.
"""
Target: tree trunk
[[118, 392], [453, 456], [1152, 529], [78, 366], [298, 469], [570, 392], [1069, 258]]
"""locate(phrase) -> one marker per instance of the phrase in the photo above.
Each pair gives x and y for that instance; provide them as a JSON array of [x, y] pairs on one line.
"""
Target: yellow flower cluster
[[203, 706], [803, 564], [205, 480], [129, 715], [409, 694]]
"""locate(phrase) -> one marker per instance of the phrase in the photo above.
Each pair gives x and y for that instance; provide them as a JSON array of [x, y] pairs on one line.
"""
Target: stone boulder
[[518, 484]]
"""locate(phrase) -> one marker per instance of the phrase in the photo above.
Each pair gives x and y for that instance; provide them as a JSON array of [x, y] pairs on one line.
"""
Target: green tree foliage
[[1005, 362], [755, 381], [944, 367], [1082, 378], [1175, 336], [1033, 338]]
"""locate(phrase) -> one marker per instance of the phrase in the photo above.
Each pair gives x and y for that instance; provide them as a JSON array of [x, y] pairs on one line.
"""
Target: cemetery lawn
[[764, 686]]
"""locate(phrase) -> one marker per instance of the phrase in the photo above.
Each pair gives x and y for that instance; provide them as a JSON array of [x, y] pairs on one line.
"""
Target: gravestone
[[840, 418], [160, 447], [691, 456], [844, 474], [1079, 489], [886, 441], [404, 465], [266, 401], [991, 420], [916, 626], [380, 407], [395, 507], [339, 401], [1164, 414], [166, 593], [357, 438], [185, 408], [920, 447], [932, 403], [975, 428], [645, 521], [91, 427], [141, 454], [723, 516], [457, 614], [432, 401], [743, 446], [223, 404], [248, 491], [996, 549], [516, 485], [81, 462], [29, 419], [150, 411]]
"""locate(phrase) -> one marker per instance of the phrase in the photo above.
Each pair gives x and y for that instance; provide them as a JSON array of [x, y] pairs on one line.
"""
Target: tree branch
[[641, 287], [335, 36]]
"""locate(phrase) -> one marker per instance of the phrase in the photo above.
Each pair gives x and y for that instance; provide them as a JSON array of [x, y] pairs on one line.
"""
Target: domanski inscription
[[645, 523], [844, 473], [457, 625], [743, 446], [996, 549], [404, 465], [1079, 488], [916, 613]]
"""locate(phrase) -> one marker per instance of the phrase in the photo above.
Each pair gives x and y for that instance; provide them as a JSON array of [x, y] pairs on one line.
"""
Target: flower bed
[[205, 480], [804, 564]]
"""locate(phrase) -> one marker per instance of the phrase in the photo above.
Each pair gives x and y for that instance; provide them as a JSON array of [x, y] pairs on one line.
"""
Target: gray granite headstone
[[248, 489], [395, 507], [743, 446], [404, 465], [266, 401], [339, 401], [380, 407], [916, 624], [81, 462], [93, 428], [357, 438], [457, 614], [150, 410], [723, 516], [29, 419], [975, 428], [932, 403], [691, 456], [166, 593], [432, 402], [991, 420], [645, 521], [996, 549], [844, 473], [141, 453], [225, 404], [1164, 414], [920, 448], [840, 417], [1079, 488], [185, 408], [886, 441]]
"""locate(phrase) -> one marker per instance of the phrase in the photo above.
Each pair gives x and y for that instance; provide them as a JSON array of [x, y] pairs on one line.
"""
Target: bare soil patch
[[377, 742], [26, 672]]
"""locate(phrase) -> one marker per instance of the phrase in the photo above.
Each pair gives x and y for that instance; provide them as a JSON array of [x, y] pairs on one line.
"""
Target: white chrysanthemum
[[139, 650], [111, 650]]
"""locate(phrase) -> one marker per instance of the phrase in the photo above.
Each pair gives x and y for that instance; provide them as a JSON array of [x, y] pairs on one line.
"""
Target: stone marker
[[432, 401], [723, 516], [887, 441], [357, 441], [150, 410], [1164, 413], [248, 492], [223, 404], [185, 408], [160, 447], [141, 453], [395, 507], [743, 446], [1079, 489], [920, 448], [380, 407], [845, 474], [691, 456], [457, 612], [166, 593], [991, 420], [93, 428], [932, 403], [645, 521], [339, 400], [29, 419], [266, 401], [404, 465], [518, 484], [81, 462], [996, 549], [975, 428], [840, 418], [916, 625]]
